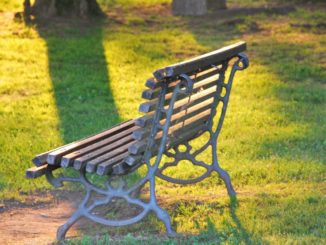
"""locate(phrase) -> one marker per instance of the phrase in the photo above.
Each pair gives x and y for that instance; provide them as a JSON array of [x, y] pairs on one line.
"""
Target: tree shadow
[[230, 230], [79, 73]]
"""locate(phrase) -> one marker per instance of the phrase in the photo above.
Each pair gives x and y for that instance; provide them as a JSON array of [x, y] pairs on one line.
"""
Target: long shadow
[[230, 230], [79, 74]]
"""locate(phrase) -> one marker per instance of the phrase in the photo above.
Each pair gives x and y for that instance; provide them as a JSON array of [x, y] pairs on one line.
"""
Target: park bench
[[182, 104]]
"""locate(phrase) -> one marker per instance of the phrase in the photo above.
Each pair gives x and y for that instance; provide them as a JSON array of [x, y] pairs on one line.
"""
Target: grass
[[63, 81]]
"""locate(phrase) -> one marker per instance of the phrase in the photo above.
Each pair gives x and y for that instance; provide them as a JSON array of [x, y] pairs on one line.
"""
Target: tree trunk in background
[[216, 4], [70, 8], [189, 7]]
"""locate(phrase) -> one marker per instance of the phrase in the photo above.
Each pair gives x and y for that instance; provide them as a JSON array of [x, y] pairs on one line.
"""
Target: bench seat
[[103, 153]]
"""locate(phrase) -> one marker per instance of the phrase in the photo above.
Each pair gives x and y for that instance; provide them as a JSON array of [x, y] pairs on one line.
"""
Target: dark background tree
[[196, 7], [189, 7], [70, 8], [216, 4]]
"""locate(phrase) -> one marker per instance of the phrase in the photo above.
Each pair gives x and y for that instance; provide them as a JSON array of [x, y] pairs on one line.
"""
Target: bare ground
[[36, 223]]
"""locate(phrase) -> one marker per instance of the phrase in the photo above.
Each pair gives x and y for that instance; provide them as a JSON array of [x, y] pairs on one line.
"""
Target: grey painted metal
[[87, 206]]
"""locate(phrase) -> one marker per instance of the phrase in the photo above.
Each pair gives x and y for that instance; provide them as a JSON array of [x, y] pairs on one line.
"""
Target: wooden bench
[[182, 101]]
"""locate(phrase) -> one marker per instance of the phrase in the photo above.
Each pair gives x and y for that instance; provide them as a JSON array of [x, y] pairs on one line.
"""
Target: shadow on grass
[[79, 73], [230, 229]]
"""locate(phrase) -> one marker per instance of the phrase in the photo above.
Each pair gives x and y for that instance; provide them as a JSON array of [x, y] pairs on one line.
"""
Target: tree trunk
[[216, 4], [189, 7], [70, 8]]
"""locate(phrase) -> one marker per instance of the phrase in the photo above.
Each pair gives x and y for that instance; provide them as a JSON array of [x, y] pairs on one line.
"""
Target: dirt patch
[[37, 222]]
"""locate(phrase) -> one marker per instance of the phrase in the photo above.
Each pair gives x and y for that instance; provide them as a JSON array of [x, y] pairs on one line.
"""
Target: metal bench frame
[[121, 190]]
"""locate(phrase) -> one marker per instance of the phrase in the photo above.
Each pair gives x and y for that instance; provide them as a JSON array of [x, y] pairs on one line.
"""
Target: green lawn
[[64, 80]]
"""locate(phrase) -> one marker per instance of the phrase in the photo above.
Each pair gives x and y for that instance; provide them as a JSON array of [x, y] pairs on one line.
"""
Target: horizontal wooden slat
[[122, 168], [132, 160], [55, 156], [40, 159], [154, 86], [106, 167], [145, 121], [151, 106], [141, 145], [137, 147], [181, 115], [81, 161], [35, 172], [202, 61], [184, 135], [204, 84], [122, 148], [67, 160]]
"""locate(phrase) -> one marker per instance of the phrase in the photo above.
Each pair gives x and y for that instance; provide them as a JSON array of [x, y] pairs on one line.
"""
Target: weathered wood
[[35, 172], [132, 160], [201, 62], [137, 147], [55, 156], [140, 146], [147, 120], [40, 159], [196, 75], [92, 164], [67, 160], [197, 78], [187, 134], [81, 161], [184, 99], [184, 114], [106, 167], [198, 85]]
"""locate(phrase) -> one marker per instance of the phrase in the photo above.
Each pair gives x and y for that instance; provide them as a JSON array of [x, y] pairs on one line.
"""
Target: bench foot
[[63, 229], [165, 218], [227, 180]]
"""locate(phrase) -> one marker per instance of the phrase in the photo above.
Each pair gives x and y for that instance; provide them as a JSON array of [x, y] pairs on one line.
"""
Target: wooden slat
[[67, 160], [35, 172], [184, 114], [106, 167], [141, 145], [55, 156], [154, 90], [185, 135], [122, 168], [204, 84], [122, 148], [145, 121], [132, 160], [151, 106], [202, 61], [138, 147], [40, 159], [81, 161]]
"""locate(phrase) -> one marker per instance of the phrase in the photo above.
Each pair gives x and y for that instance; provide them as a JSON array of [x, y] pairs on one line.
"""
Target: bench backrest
[[192, 111]]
